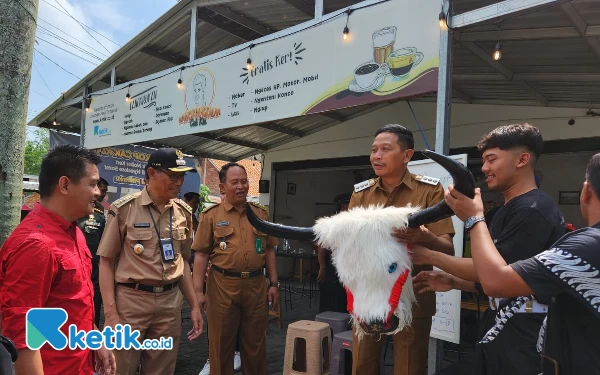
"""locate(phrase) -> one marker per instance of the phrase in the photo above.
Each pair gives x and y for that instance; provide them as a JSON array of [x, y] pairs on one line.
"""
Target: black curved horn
[[278, 230], [463, 182]]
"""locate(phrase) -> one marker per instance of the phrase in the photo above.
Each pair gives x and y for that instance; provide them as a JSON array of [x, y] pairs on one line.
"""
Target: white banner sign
[[391, 52]]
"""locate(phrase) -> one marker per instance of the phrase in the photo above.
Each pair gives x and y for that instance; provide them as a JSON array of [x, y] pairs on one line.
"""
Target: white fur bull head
[[372, 265]]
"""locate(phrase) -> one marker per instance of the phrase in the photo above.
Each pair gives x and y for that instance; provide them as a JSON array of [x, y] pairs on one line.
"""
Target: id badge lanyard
[[166, 245]]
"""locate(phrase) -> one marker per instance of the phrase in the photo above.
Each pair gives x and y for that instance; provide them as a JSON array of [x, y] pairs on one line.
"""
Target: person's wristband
[[274, 284]]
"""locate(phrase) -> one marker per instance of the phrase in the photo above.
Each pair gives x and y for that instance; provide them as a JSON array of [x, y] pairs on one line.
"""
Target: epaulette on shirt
[[121, 201], [210, 208], [184, 205], [365, 184], [258, 205], [428, 180], [99, 211]]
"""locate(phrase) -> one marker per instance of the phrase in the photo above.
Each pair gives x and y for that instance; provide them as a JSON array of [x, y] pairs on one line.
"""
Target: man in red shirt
[[45, 263]]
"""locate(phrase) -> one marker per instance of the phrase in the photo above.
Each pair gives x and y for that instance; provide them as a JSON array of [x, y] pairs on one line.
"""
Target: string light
[[346, 32], [442, 19], [55, 122], [249, 66], [128, 97], [179, 81], [88, 102], [498, 52]]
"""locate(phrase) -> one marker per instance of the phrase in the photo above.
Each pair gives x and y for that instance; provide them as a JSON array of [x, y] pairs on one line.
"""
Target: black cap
[[169, 158]]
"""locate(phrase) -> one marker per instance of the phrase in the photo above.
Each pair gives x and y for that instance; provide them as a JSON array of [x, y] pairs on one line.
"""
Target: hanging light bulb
[[249, 64], [346, 32], [88, 102], [442, 19], [179, 83], [127, 98], [497, 52]]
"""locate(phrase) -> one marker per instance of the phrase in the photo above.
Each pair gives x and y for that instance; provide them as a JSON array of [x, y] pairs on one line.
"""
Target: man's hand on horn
[[463, 206], [414, 236]]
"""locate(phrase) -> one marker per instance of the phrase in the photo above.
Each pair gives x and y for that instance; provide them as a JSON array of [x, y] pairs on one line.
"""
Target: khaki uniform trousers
[[411, 346], [237, 306], [155, 315]]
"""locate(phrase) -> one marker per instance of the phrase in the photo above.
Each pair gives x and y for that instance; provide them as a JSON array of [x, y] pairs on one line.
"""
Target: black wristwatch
[[274, 284]]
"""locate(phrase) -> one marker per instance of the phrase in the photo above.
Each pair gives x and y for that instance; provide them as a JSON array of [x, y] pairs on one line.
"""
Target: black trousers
[[97, 294]]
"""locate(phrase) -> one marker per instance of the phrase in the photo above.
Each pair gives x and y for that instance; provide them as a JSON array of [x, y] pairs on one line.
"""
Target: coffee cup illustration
[[401, 61], [366, 75]]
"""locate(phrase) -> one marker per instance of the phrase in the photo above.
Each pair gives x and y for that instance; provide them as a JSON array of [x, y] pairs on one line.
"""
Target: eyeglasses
[[174, 176]]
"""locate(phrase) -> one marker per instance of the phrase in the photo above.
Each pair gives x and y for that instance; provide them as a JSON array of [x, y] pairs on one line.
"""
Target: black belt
[[241, 275], [150, 288]]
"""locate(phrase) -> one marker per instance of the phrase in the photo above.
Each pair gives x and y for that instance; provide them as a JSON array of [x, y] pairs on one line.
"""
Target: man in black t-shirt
[[527, 224], [567, 275]]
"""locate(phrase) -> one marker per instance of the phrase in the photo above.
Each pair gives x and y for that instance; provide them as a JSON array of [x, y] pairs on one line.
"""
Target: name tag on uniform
[[141, 225], [166, 247], [222, 223]]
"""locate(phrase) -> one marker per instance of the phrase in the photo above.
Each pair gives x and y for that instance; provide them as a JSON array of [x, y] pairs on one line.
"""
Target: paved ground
[[193, 355]]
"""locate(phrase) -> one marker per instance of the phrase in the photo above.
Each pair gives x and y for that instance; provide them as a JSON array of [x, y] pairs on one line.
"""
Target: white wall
[[469, 123]]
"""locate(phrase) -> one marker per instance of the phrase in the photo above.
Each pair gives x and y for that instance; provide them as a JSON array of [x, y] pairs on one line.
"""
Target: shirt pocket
[[180, 236], [70, 280], [223, 234], [262, 236], [145, 238]]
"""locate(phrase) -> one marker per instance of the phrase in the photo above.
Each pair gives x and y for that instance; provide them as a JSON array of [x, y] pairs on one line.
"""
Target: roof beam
[[281, 129], [462, 96], [302, 6], [230, 140], [532, 77], [220, 25], [581, 26], [497, 10], [334, 116], [519, 34], [507, 73], [239, 19], [173, 59]]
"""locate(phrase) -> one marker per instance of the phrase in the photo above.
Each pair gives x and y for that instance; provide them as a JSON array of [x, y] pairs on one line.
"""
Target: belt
[[150, 288], [531, 306], [241, 275]]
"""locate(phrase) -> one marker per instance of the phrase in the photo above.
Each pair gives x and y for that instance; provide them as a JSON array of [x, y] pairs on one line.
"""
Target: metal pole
[[193, 28], [113, 77], [442, 144], [318, 10], [83, 113], [17, 38], [444, 95]]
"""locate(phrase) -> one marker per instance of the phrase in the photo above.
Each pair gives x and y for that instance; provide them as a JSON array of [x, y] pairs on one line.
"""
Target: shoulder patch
[[210, 208], [99, 211], [123, 200], [258, 205], [184, 205], [363, 185], [428, 180]]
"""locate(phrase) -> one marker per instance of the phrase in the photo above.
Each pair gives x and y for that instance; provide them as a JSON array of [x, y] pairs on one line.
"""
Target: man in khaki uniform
[[148, 237], [236, 290], [391, 151]]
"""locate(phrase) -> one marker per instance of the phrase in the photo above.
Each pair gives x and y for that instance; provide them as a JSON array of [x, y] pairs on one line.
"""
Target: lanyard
[[170, 222]]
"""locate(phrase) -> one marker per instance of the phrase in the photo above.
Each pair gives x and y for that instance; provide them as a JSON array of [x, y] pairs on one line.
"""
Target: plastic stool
[[307, 348], [343, 341], [339, 322]]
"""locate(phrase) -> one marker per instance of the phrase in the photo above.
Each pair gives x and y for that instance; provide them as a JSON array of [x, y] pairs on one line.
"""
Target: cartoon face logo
[[199, 87], [200, 90]]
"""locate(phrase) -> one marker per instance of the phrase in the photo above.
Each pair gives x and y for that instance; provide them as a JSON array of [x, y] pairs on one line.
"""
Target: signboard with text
[[124, 167], [392, 51]]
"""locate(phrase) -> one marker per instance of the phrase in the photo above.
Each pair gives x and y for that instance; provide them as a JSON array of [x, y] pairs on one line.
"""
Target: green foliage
[[204, 193], [35, 150]]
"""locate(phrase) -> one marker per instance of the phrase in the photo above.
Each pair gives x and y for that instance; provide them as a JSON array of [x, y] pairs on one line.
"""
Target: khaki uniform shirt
[[417, 193], [129, 222], [223, 223]]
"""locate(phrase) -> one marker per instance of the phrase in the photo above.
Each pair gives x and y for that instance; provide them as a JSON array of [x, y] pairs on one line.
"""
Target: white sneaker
[[206, 369], [237, 362]]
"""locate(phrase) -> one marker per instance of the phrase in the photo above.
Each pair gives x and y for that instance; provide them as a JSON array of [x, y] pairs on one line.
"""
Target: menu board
[[392, 51]]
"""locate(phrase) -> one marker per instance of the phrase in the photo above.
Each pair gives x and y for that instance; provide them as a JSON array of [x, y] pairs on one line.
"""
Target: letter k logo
[[43, 325]]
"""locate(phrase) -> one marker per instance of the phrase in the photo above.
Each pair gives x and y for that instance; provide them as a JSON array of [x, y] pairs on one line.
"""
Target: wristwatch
[[276, 284], [471, 221]]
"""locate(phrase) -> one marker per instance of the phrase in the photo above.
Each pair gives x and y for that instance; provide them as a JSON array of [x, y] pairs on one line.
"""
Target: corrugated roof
[[550, 57]]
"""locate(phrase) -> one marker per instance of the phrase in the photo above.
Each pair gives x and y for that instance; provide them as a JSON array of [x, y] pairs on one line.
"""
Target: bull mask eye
[[392, 268]]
